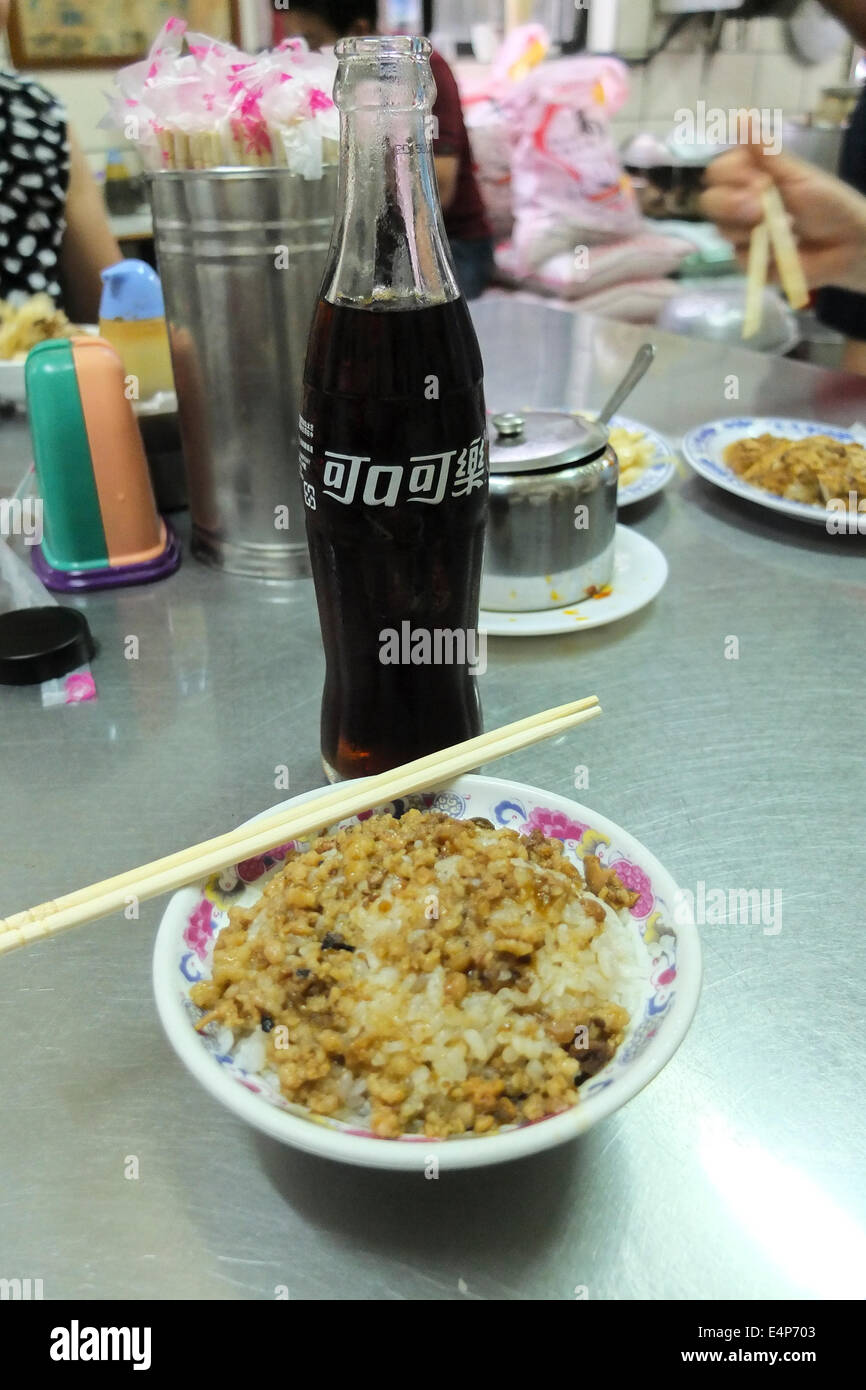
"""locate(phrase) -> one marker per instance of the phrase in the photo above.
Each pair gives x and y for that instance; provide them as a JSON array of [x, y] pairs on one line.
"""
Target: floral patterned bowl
[[184, 949]]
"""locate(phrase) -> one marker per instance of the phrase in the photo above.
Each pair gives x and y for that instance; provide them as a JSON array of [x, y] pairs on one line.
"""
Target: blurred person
[[322, 23], [827, 217], [838, 308], [54, 231]]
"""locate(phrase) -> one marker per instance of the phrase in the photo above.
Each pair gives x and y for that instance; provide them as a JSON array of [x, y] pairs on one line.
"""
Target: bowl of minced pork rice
[[472, 974]]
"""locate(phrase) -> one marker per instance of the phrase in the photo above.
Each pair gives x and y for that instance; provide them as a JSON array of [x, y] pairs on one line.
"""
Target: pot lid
[[41, 644], [533, 441]]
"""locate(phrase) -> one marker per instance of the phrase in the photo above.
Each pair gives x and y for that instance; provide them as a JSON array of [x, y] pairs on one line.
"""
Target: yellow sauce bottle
[[132, 319]]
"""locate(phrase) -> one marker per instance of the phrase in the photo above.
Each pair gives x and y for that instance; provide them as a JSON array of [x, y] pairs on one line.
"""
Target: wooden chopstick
[[785, 250], [202, 860], [773, 234], [759, 264]]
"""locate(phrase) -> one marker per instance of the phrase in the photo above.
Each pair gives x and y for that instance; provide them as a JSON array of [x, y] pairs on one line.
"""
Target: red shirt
[[465, 218]]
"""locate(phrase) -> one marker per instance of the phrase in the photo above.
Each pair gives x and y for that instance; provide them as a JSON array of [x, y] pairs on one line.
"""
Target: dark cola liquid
[[394, 477]]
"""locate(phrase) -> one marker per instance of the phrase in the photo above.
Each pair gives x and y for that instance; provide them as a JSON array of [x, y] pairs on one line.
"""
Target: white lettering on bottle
[[428, 479], [393, 476], [425, 478], [340, 482], [471, 469]]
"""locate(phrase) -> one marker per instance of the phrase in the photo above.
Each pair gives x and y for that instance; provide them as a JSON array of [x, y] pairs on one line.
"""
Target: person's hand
[[828, 218]]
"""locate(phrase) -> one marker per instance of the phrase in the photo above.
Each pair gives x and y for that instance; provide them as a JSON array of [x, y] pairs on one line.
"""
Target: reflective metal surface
[[241, 256], [716, 311], [736, 1173], [538, 440], [550, 532]]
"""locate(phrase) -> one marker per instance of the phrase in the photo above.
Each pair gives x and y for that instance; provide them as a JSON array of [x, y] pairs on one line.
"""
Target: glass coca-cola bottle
[[393, 448]]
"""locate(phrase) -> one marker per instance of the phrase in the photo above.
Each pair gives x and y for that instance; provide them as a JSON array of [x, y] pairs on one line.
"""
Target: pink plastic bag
[[568, 185], [490, 141], [489, 133]]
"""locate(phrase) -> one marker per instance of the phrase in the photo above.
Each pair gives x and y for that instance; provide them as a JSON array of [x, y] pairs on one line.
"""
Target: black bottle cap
[[39, 644]]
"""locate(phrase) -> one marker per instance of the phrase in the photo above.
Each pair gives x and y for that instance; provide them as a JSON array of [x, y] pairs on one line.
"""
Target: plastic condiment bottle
[[132, 319]]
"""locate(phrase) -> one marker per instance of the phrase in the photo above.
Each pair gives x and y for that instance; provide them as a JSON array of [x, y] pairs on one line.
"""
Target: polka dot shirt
[[34, 177]]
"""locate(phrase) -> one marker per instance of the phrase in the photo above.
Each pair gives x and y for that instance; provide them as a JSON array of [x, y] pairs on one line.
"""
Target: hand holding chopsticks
[[293, 822], [750, 187]]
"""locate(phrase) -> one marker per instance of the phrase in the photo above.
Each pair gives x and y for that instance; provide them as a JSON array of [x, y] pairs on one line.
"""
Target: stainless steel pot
[[552, 518]]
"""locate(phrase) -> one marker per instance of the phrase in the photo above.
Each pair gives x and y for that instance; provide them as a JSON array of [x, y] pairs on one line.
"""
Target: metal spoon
[[640, 366]]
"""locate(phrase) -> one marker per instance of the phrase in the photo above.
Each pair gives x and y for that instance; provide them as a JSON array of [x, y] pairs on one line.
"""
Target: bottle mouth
[[383, 47]]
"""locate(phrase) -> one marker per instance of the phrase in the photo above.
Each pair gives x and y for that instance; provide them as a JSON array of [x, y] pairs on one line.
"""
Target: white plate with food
[[484, 972], [639, 573], [22, 326], [803, 468], [646, 460]]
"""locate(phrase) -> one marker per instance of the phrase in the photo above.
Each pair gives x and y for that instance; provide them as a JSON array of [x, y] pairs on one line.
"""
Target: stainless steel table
[[734, 1174]]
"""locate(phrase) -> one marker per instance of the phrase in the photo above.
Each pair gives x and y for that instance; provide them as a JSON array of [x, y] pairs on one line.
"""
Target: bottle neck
[[389, 249]]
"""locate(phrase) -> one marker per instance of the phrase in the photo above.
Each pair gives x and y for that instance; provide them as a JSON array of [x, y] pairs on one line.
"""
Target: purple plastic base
[[109, 577]]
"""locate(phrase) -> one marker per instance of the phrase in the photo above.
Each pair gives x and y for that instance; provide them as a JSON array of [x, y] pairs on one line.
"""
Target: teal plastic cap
[[131, 290]]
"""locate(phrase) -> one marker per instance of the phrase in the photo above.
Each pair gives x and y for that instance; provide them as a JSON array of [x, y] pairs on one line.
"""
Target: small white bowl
[[184, 947]]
